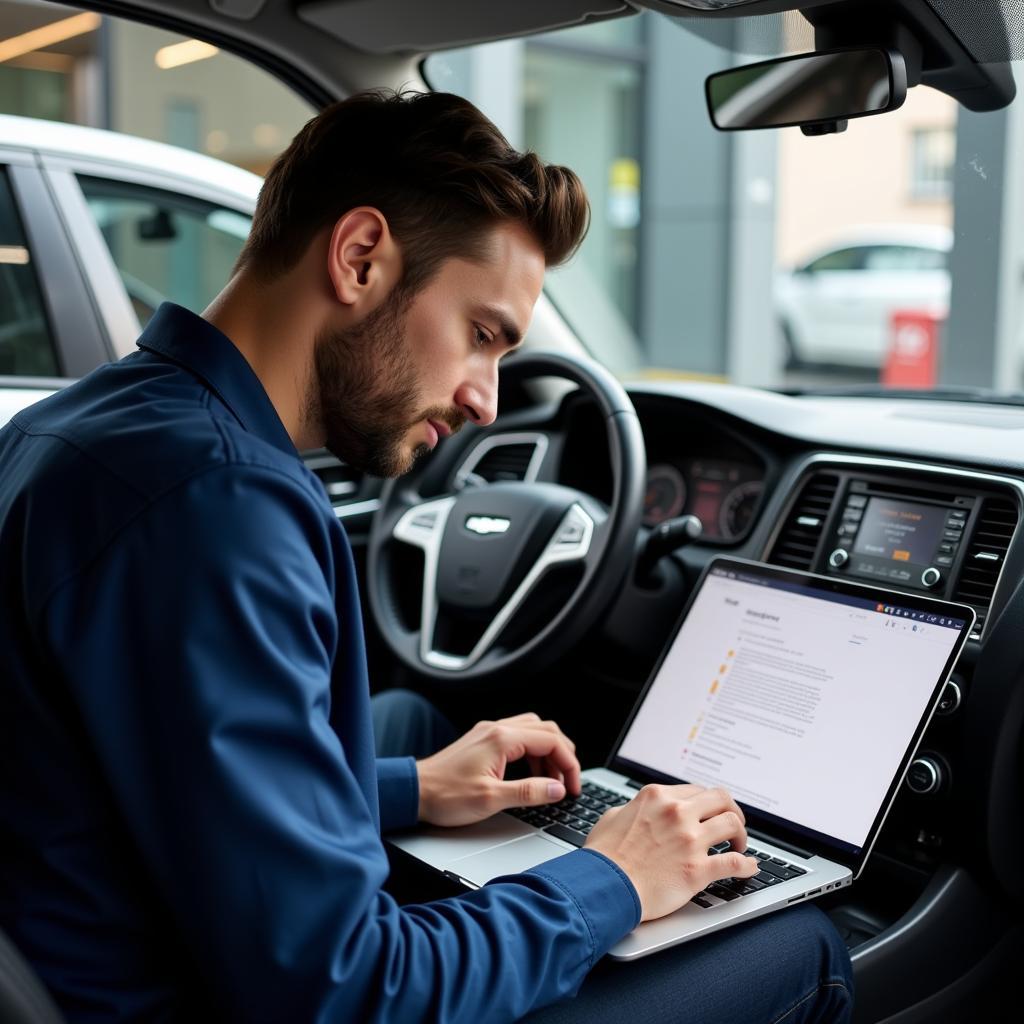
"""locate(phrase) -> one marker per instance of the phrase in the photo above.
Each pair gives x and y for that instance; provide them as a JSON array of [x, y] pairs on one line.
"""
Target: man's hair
[[437, 169]]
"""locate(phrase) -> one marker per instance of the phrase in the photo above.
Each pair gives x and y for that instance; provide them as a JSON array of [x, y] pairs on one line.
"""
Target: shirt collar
[[194, 343]]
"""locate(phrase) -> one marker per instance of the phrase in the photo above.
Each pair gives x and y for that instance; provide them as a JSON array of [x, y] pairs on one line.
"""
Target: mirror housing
[[818, 92]]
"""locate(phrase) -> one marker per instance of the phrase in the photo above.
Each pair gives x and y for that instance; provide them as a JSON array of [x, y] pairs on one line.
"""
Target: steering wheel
[[489, 551]]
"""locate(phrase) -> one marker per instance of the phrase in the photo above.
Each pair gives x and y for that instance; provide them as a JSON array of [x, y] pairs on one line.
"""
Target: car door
[[897, 278], [824, 305], [145, 237], [48, 326]]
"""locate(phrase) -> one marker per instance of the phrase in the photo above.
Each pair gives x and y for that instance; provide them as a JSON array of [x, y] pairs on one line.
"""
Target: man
[[191, 822]]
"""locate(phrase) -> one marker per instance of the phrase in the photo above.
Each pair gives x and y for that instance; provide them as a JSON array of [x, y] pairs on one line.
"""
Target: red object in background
[[912, 360]]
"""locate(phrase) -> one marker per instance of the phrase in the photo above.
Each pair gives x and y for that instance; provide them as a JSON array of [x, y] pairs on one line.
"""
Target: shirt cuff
[[602, 892], [398, 792]]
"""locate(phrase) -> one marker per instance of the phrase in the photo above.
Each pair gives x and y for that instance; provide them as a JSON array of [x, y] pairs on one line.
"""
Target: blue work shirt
[[190, 822]]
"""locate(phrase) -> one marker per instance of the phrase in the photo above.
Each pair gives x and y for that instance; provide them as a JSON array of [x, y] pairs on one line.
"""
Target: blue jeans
[[790, 967]]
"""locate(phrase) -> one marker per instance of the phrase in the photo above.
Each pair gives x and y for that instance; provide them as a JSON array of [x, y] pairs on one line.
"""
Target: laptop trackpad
[[509, 859]]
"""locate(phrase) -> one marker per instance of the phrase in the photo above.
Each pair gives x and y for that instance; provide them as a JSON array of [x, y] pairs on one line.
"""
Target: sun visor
[[414, 26]]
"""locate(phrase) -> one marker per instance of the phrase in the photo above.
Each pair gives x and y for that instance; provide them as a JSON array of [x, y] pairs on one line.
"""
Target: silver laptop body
[[777, 685]]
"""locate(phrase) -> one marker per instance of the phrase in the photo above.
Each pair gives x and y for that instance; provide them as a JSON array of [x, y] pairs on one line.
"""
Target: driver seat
[[23, 1000]]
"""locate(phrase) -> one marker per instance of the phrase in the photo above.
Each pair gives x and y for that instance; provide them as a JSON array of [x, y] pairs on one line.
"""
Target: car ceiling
[[327, 49]]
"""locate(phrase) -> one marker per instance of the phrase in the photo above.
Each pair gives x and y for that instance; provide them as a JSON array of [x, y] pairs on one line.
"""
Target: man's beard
[[364, 393]]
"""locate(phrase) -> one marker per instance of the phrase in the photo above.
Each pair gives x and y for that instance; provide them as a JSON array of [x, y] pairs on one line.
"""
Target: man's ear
[[363, 260]]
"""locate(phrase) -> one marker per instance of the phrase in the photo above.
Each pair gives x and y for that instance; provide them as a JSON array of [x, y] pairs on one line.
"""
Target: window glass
[[165, 246], [841, 259], [78, 66], [932, 164], [559, 89], [26, 346], [884, 258], [540, 91]]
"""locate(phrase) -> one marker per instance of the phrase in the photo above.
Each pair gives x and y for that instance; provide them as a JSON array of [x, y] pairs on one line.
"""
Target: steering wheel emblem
[[487, 524]]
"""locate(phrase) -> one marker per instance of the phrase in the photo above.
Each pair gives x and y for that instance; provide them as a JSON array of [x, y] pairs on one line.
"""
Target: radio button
[[947, 549], [931, 577], [924, 776], [954, 524], [951, 535], [944, 560], [838, 558], [950, 699], [853, 515], [856, 501], [958, 515]]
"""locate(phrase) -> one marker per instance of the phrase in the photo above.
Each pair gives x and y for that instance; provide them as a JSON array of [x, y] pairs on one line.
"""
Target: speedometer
[[665, 494], [738, 508]]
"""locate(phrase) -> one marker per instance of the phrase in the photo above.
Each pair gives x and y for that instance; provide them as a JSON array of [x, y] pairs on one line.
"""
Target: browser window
[[775, 693]]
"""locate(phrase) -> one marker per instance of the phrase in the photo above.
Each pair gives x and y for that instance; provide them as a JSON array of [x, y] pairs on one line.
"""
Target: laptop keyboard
[[773, 871], [572, 819]]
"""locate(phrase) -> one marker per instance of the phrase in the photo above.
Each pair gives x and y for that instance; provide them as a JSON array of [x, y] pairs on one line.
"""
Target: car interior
[[634, 478]]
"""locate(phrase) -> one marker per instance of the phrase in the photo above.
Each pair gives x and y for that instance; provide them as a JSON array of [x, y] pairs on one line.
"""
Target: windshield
[[889, 255]]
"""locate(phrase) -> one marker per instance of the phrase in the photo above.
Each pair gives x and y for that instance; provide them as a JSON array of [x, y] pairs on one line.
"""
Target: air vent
[[340, 481], [983, 560], [798, 540], [498, 459], [505, 462]]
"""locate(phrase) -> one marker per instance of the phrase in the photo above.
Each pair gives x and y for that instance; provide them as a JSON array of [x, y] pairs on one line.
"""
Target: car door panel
[[79, 336]]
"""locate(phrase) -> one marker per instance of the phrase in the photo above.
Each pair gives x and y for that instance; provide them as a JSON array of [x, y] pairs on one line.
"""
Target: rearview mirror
[[817, 91]]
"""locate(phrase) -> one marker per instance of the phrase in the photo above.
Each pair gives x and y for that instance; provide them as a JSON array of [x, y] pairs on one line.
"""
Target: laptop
[[804, 696]]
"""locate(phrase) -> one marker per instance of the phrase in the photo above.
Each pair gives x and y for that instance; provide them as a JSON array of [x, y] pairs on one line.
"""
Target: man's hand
[[465, 782], [661, 838]]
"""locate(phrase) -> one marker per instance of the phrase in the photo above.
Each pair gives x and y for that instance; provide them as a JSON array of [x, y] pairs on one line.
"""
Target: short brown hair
[[441, 173]]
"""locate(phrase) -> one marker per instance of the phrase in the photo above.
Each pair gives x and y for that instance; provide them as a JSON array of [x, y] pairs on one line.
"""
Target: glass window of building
[[932, 166], [63, 64], [590, 75]]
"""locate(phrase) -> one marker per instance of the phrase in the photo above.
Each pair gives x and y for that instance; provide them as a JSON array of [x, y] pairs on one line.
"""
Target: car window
[[884, 258], [26, 345], [842, 259], [165, 246]]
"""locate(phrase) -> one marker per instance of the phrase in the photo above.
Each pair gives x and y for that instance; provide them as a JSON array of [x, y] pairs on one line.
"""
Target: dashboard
[[922, 496], [721, 493]]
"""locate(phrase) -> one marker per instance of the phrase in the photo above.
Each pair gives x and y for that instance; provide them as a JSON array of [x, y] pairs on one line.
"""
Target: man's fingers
[[711, 802], [526, 716], [526, 741], [731, 865], [726, 826], [528, 792], [529, 718]]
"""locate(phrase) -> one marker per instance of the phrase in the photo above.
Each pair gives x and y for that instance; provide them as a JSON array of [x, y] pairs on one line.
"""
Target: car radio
[[908, 539]]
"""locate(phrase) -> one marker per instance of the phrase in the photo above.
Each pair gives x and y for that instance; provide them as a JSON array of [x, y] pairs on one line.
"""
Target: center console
[[899, 536]]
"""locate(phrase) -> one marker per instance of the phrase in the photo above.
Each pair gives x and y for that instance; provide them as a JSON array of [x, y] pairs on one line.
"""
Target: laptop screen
[[802, 696]]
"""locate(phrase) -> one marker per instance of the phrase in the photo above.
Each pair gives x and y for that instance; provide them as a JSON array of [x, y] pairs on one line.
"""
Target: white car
[[836, 307], [106, 227]]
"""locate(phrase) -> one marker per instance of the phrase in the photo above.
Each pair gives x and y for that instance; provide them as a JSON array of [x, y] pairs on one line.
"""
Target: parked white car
[[836, 307], [100, 228]]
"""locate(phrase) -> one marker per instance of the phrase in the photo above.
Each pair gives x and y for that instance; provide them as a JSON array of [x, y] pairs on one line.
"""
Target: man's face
[[418, 366]]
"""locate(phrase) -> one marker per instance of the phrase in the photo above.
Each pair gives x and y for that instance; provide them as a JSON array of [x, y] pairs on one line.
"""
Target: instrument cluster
[[722, 493]]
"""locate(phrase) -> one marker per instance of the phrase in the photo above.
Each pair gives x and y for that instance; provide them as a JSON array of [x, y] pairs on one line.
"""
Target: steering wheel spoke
[[570, 542], [488, 548], [423, 525]]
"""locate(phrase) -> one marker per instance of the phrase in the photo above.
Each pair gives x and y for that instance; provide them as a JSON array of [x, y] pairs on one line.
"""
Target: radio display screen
[[900, 531]]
